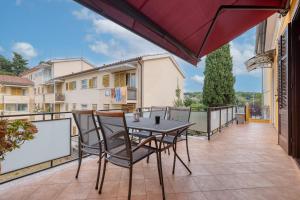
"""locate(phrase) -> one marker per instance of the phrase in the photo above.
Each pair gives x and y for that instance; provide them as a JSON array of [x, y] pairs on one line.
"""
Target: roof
[[189, 29], [49, 62], [15, 80], [121, 62]]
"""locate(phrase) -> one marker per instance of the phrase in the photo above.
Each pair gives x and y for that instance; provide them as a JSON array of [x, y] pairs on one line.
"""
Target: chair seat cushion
[[137, 155], [169, 139]]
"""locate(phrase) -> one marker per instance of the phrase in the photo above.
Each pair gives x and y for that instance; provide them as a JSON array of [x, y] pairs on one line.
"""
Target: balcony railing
[[59, 97], [59, 128]]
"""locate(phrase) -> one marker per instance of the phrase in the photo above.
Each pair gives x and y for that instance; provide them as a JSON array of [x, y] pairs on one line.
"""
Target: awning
[[189, 29], [263, 60]]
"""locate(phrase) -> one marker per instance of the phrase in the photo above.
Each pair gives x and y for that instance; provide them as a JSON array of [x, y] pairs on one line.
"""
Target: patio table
[[163, 128]]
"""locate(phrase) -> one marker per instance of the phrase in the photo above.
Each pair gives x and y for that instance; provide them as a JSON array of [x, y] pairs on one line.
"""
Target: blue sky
[[45, 29]]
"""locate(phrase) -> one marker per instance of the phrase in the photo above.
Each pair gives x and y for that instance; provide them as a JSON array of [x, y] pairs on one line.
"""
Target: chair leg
[[174, 161], [103, 175], [148, 155], [187, 147], [79, 163], [158, 167], [161, 176], [99, 169], [130, 182]]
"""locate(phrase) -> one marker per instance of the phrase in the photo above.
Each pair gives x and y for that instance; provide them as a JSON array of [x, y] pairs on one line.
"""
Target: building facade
[[138, 82], [16, 95], [277, 49]]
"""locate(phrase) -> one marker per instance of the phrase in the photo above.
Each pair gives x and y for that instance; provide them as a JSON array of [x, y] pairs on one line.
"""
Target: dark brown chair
[[171, 139], [119, 150], [89, 140]]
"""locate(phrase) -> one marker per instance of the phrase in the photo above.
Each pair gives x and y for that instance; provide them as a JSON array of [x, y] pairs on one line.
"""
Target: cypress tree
[[218, 89]]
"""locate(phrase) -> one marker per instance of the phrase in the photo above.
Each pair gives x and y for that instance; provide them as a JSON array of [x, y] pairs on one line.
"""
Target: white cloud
[[241, 52], [122, 43], [83, 14], [198, 79], [25, 49], [18, 2]]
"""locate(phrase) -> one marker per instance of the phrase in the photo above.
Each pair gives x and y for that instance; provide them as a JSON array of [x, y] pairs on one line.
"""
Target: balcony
[[14, 99], [124, 95], [59, 97], [241, 162]]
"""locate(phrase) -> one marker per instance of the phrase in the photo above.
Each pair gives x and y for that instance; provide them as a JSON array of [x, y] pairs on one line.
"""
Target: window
[[38, 90], [120, 79], [105, 80], [71, 85], [93, 82], [17, 91], [67, 107], [74, 106], [16, 107], [84, 84], [1, 106], [131, 80], [94, 106], [34, 90], [84, 106], [22, 107]]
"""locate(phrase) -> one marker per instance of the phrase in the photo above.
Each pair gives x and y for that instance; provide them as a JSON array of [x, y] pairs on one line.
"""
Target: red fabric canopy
[[188, 28]]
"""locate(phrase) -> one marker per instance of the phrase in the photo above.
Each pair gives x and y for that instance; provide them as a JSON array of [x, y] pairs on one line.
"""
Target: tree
[[218, 89], [19, 64], [188, 101], [5, 66], [178, 101]]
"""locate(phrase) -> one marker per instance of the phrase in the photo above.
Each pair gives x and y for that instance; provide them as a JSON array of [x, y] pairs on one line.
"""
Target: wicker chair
[[89, 138], [119, 150], [171, 139]]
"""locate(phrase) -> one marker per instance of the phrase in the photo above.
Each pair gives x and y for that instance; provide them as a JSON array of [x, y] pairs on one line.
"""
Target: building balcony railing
[[123, 95], [14, 99], [59, 97]]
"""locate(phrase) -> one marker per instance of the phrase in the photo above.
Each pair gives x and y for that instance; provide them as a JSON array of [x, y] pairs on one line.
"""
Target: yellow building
[[15, 95]]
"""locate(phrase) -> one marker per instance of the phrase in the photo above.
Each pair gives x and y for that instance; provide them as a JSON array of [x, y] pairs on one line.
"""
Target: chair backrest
[[87, 127], [179, 114], [158, 111], [115, 134]]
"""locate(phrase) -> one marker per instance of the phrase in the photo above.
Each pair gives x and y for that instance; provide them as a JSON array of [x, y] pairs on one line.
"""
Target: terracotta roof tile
[[15, 80]]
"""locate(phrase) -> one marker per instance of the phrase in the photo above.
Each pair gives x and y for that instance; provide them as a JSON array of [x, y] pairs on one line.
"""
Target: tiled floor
[[243, 162]]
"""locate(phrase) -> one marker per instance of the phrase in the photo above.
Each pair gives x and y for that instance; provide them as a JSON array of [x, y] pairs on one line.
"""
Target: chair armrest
[[145, 141]]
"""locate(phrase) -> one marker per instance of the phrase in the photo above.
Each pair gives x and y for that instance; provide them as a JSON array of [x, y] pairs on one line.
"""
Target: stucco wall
[[69, 67], [160, 79]]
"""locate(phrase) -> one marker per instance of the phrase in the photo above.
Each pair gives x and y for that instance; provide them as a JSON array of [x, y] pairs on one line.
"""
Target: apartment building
[[127, 84], [47, 90], [16, 95]]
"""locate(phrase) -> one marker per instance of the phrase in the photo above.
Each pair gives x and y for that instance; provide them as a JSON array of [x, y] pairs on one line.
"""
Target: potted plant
[[13, 134]]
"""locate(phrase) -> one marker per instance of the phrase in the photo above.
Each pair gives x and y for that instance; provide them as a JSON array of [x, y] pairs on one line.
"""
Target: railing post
[[208, 123], [226, 116], [232, 115], [220, 123]]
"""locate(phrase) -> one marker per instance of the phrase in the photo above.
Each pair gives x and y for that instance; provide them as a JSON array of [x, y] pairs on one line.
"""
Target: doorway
[[295, 87]]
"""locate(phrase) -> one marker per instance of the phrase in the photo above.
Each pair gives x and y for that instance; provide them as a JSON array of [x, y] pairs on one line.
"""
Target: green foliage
[[13, 134], [248, 97], [218, 89], [188, 101], [14, 67], [178, 101]]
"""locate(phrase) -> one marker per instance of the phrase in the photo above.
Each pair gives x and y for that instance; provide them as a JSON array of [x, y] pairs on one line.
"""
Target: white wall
[[160, 79]]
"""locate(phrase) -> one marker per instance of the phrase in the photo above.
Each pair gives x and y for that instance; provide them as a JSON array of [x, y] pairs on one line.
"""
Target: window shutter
[[1, 106], [117, 80], [123, 79], [90, 83], [105, 80]]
